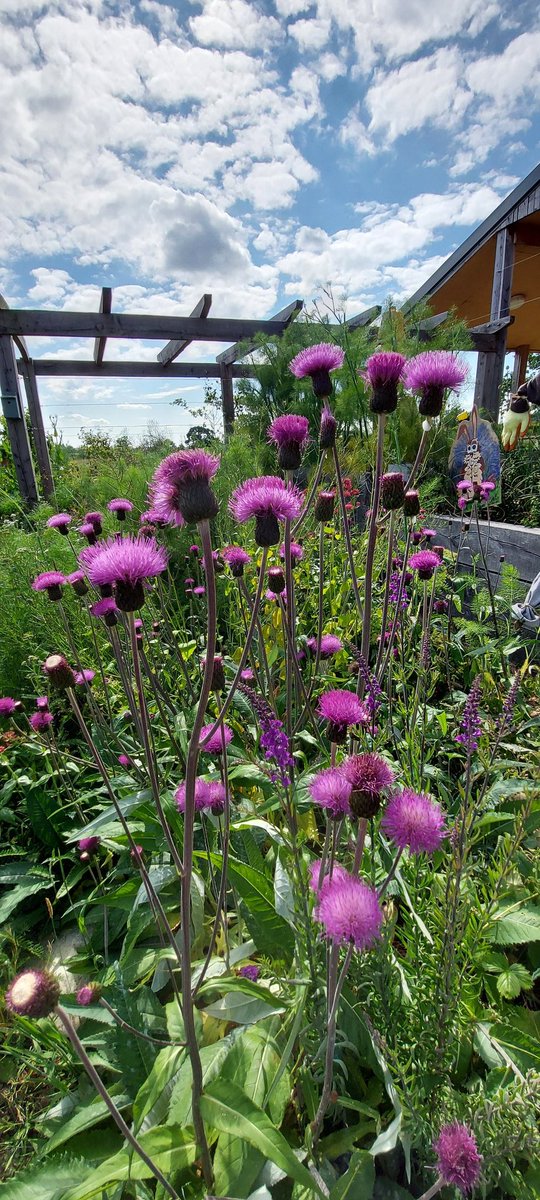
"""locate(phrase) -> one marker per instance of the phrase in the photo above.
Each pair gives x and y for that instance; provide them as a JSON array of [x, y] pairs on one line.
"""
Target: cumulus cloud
[[133, 405], [233, 24]]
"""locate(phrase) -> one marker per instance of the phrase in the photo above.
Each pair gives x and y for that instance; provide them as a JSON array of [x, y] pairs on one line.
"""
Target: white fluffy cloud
[[234, 24]]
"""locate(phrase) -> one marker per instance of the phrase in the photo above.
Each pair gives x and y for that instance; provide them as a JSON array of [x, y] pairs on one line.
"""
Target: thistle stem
[[434, 1190], [372, 537], [386, 600], [109, 1102], [347, 532]]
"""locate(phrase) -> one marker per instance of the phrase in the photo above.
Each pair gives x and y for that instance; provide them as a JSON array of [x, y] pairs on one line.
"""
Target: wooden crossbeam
[[173, 349], [485, 338], [281, 320], [132, 370], [364, 318], [19, 341], [31, 322], [101, 342]]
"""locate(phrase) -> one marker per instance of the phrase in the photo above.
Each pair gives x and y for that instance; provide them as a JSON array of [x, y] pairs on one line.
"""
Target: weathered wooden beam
[[133, 370], [58, 324], [104, 307], [19, 341], [364, 318], [38, 431], [521, 355], [227, 398], [12, 408], [173, 349], [490, 366], [281, 320], [484, 337]]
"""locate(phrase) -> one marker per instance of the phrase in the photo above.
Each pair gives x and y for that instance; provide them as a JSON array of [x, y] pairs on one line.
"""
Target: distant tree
[[200, 437]]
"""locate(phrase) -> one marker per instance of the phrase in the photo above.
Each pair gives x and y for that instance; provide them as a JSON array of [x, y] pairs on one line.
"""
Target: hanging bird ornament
[[474, 462], [517, 419]]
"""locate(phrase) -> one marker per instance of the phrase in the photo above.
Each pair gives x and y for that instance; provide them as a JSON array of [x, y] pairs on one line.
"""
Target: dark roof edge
[[475, 239]]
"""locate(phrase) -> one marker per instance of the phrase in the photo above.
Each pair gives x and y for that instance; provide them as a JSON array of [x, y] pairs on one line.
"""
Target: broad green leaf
[[109, 817], [30, 883], [225, 1107], [212, 1059], [85, 1117], [271, 934], [504, 1045], [284, 893], [46, 1181], [514, 979], [152, 1100], [512, 926], [242, 1009], [238, 983], [357, 1182], [252, 1065], [169, 1147]]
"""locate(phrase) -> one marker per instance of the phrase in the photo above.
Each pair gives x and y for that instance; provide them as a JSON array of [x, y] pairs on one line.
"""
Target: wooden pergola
[[18, 324], [494, 276]]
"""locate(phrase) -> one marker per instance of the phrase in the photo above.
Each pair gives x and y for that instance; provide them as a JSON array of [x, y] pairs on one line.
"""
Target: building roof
[[464, 280]]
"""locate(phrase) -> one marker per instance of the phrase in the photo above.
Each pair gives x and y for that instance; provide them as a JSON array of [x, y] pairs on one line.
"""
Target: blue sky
[[255, 150]]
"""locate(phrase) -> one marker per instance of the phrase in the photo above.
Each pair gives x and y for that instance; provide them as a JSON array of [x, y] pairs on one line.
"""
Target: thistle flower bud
[[411, 504], [276, 580], [328, 427], [89, 993], [392, 490], [58, 670], [33, 994], [78, 583], [324, 506], [218, 673]]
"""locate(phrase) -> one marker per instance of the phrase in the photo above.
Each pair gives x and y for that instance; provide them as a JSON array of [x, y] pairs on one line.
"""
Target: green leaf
[[513, 926], [170, 1148], [84, 1118], [31, 883], [357, 1182], [242, 1009], [43, 1182], [271, 934], [109, 817], [226, 1108], [512, 980], [212, 1059], [238, 983], [152, 1100], [504, 1045]]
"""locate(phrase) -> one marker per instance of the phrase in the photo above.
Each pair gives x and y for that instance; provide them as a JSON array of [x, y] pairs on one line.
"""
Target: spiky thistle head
[[317, 362], [180, 489], [270, 501]]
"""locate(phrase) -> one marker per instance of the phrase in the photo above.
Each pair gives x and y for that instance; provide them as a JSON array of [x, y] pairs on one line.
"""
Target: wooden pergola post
[[490, 369], [227, 398], [17, 432], [38, 430], [521, 355]]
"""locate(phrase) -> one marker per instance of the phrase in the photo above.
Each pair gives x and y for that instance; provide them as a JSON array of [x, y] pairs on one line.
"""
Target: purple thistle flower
[[199, 591], [392, 490], [317, 362], [7, 706], [50, 582], [274, 740], [84, 676], [126, 563], [338, 872], [327, 430], [350, 912], [383, 372], [153, 517], [247, 675], [88, 531], [290, 434], [120, 507], [370, 777], [61, 522], [430, 374], [78, 582], [276, 581], [342, 709], [105, 608], [89, 993], [330, 789], [236, 559], [89, 845], [42, 703], [250, 972], [58, 670], [429, 534], [269, 500], [40, 721], [411, 503], [216, 797], [95, 519], [297, 552], [124, 760], [203, 796], [329, 645], [214, 744], [471, 727], [425, 562], [458, 1160], [180, 488], [33, 994], [415, 820], [324, 506]]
